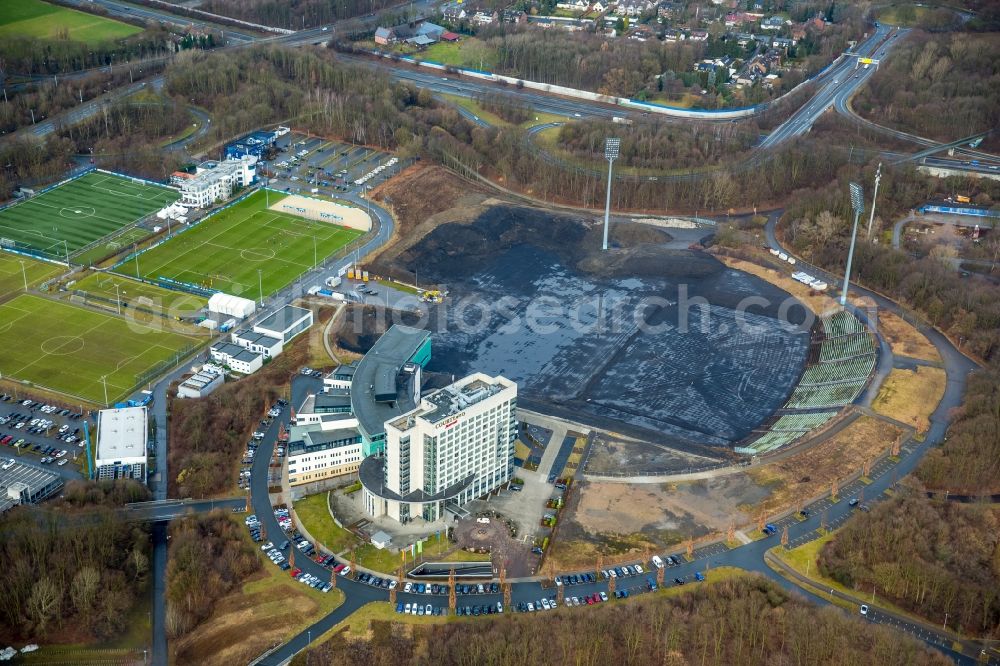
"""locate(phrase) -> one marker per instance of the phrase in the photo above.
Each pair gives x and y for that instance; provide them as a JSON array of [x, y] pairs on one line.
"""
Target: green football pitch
[[15, 270], [111, 287], [225, 251], [33, 18], [83, 210], [69, 349]]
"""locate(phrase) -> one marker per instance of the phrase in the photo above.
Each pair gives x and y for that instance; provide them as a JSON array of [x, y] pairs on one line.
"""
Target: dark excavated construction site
[[643, 340]]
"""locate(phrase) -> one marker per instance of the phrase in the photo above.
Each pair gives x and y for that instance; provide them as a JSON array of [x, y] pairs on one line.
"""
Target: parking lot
[[37, 433], [311, 165]]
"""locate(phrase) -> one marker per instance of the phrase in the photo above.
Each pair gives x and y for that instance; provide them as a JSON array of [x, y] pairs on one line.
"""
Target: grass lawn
[[68, 349], [468, 52], [312, 511], [359, 622], [370, 557], [904, 15], [12, 278], [122, 242], [473, 107], [905, 339], [230, 250], [399, 286], [33, 18], [685, 101], [911, 396], [83, 210], [460, 555], [139, 294]]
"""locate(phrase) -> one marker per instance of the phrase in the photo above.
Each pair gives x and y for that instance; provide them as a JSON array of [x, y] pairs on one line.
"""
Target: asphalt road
[[842, 79]]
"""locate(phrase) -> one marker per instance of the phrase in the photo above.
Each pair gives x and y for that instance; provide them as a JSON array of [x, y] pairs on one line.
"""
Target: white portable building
[[231, 306]]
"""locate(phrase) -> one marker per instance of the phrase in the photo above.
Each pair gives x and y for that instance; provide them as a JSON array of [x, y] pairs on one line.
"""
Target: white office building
[[214, 181], [261, 343], [286, 323], [121, 443], [321, 451], [455, 446], [236, 358], [200, 384]]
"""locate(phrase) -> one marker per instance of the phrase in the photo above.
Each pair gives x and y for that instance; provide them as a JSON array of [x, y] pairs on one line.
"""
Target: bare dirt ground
[[620, 520], [616, 457], [905, 339], [813, 471], [818, 302], [910, 396], [423, 197]]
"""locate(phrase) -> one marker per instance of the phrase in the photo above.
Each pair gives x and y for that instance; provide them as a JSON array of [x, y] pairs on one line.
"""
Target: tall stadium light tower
[[611, 148], [878, 177], [858, 204]]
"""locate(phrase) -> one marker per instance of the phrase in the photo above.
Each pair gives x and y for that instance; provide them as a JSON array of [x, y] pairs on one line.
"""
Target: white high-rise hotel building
[[456, 445]]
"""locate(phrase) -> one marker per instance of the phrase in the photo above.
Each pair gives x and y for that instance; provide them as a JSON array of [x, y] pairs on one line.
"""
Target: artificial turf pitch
[[81, 211], [68, 349], [225, 251]]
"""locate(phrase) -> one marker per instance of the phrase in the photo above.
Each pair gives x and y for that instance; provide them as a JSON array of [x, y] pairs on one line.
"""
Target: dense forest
[[817, 224], [941, 86], [210, 556], [29, 161], [928, 556], [662, 145], [126, 136], [294, 14], [50, 96], [30, 56], [71, 577], [747, 621], [969, 460]]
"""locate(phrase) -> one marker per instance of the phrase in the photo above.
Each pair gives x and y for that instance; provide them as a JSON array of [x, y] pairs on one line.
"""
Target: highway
[[841, 80]]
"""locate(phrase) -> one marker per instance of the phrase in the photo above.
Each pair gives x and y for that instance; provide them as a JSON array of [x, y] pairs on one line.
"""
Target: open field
[[472, 106], [139, 294], [468, 52], [33, 18], [269, 609], [78, 213], [904, 339], [231, 250], [69, 349], [911, 396], [12, 278]]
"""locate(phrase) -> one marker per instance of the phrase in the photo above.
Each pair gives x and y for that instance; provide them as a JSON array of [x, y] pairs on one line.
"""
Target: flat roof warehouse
[[121, 434]]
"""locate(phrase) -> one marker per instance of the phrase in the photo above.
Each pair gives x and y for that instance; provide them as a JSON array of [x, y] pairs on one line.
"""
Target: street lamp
[[105, 383], [260, 287], [611, 148], [25, 276], [118, 295], [878, 177], [858, 204]]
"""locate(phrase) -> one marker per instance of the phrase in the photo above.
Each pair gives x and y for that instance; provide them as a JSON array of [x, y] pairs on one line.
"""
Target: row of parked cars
[[423, 609], [312, 581]]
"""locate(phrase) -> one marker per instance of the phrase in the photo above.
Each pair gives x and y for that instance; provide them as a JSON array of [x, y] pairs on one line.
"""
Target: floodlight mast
[[858, 204], [611, 150]]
